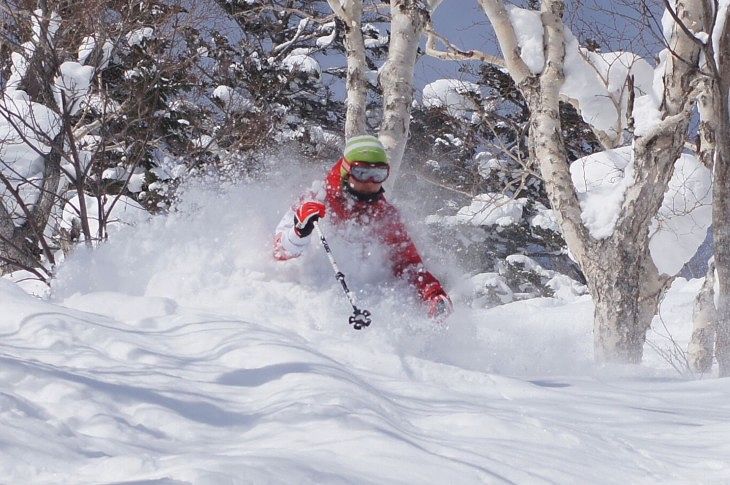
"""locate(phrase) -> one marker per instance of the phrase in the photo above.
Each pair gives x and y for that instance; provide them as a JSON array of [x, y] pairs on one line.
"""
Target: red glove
[[439, 303], [440, 306], [305, 215]]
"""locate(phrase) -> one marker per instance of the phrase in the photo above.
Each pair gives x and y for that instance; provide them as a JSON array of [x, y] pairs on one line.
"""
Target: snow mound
[[232, 100], [299, 62], [681, 225], [139, 36], [71, 86], [22, 146], [458, 97], [601, 181], [485, 210], [597, 81]]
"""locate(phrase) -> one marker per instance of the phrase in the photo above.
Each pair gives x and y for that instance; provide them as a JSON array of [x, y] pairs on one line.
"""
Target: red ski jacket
[[386, 224]]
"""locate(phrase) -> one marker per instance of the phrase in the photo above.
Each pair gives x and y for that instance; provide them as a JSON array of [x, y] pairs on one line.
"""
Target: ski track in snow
[[181, 353]]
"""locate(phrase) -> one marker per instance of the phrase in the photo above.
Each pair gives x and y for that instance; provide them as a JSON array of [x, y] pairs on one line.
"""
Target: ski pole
[[359, 318]]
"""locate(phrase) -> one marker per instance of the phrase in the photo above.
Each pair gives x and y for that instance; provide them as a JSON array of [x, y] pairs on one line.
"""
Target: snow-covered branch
[[507, 38]]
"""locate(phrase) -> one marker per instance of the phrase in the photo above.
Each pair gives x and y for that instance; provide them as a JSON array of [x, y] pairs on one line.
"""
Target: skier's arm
[[292, 235], [430, 289], [287, 244], [407, 263]]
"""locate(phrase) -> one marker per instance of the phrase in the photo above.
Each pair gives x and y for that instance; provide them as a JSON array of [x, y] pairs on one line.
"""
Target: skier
[[352, 191]]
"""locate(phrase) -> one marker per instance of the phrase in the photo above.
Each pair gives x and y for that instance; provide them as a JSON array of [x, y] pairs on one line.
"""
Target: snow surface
[[88, 44], [529, 32], [54, 22], [327, 40], [721, 19], [545, 218], [681, 225], [180, 352], [601, 181]]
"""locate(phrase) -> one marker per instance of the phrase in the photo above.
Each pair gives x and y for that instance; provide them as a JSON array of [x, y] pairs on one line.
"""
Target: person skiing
[[352, 191]]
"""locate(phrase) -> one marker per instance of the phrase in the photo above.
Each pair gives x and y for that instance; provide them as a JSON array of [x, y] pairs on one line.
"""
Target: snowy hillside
[[181, 352]]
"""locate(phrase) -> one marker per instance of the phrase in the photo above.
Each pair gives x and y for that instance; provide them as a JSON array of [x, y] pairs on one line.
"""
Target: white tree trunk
[[714, 87], [351, 16], [408, 18], [721, 206], [702, 343], [721, 232]]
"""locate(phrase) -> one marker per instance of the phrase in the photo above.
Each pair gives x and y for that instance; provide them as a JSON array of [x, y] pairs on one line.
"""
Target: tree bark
[[721, 206], [702, 343], [408, 18], [351, 17], [618, 332], [721, 234], [630, 275]]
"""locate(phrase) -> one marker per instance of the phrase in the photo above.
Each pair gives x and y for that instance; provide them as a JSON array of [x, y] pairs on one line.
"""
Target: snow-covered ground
[[180, 352]]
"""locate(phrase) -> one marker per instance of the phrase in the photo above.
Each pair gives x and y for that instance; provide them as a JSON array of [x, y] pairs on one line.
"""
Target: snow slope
[[181, 353]]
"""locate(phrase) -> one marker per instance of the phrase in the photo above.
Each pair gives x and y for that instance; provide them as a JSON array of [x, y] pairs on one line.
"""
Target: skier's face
[[364, 187]]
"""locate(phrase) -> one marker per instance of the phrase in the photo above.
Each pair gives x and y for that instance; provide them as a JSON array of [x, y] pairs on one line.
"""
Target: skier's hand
[[439, 306], [305, 215]]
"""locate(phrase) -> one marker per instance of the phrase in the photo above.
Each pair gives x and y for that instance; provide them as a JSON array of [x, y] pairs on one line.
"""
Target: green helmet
[[365, 148]]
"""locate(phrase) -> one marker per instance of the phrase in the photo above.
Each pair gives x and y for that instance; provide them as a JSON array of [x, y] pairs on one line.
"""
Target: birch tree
[[701, 347], [622, 277], [714, 86], [407, 19], [350, 13], [721, 211]]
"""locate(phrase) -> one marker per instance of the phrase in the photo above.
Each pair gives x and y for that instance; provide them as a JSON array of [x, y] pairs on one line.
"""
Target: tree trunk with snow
[[408, 19], [702, 343], [721, 206], [714, 94], [714, 87], [625, 284], [350, 13]]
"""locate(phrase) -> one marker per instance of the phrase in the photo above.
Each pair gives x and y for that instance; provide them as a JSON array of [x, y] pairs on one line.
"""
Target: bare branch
[[452, 52]]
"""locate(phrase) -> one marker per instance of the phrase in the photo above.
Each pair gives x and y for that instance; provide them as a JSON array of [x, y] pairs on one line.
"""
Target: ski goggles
[[367, 172]]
